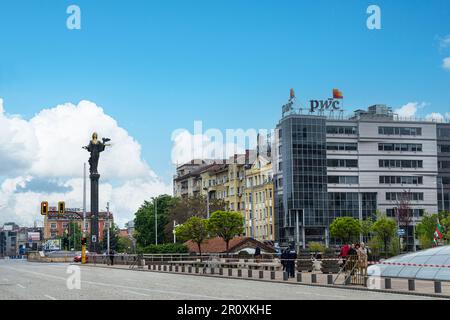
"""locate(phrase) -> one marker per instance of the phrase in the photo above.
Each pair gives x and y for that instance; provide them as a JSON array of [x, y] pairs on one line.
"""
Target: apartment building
[[259, 200]]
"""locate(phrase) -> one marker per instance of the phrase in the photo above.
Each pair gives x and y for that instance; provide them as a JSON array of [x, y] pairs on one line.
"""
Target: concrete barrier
[[437, 287], [411, 285], [387, 283]]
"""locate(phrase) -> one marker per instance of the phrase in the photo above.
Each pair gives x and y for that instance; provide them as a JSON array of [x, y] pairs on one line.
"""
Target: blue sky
[[156, 66]]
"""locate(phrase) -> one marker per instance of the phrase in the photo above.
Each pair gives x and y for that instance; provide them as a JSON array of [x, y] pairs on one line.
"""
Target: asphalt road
[[48, 281]]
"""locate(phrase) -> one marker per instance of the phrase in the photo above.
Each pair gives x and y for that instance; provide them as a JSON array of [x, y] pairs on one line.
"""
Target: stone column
[[94, 246]]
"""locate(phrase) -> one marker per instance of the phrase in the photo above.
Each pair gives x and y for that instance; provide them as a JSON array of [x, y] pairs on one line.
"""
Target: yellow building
[[226, 182], [259, 200]]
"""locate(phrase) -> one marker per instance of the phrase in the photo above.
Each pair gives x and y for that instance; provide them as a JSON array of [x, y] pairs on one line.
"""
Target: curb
[[431, 295]]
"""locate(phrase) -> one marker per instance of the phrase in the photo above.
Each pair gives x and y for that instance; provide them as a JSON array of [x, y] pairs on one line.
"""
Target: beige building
[[259, 200]]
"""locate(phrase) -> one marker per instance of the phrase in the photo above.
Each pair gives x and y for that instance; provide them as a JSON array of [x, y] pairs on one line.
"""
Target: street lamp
[[155, 201], [207, 201]]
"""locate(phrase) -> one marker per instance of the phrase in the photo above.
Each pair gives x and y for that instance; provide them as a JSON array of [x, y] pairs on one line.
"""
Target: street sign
[[94, 238], [401, 232]]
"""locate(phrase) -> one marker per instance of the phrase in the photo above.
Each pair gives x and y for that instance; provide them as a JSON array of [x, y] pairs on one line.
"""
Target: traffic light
[[61, 207], [44, 208], [83, 241]]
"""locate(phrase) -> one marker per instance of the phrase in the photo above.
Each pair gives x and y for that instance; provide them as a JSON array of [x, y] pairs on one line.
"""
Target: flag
[[438, 231], [337, 94]]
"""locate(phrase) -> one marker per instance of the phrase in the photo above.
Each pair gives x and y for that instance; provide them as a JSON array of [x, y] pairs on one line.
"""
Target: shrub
[[164, 248]]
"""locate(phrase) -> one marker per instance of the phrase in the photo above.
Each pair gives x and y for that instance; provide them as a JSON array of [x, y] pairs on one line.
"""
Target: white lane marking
[[125, 287], [137, 293], [20, 286], [49, 297]]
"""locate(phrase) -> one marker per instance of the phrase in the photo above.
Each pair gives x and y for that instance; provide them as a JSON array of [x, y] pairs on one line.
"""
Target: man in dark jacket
[[292, 256], [284, 257], [111, 256]]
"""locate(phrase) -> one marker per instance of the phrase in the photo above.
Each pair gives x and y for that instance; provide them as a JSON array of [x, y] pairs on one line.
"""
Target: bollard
[[212, 270], [249, 273], [411, 285], [313, 278], [348, 280], [165, 268], [285, 276], [299, 277], [437, 287], [230, 272], [261, 274], [183, 269], [189, 269], [387, 283], [330, 279], [221, 271], [196, 270], [205, 270], [159, 267], [170, 268], [272, 275], [239, 273], [176, 268]]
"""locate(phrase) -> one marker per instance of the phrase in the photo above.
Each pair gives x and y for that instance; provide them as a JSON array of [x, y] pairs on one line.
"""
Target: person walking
[[343, 255], [292, 256], [111, 256], [284, 257], [363, 259]]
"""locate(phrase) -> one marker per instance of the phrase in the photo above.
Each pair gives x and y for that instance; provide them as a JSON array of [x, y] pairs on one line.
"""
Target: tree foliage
[[384, 229], [226, 224], [195, 229], [345, 229], [144, 221]]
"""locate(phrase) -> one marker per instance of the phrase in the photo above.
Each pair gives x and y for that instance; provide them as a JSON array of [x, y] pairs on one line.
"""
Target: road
[[48, 281]]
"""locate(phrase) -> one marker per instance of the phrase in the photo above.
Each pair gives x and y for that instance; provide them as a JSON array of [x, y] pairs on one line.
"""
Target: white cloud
[[445, 41], [446, 64], [435, 116], [49, 147], [410, 109]]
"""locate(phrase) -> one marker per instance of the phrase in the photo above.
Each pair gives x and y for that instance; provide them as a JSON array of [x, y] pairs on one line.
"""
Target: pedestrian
[[111, 256], [257, 254], [363, 259], [284, 257], [343, 255], [292, 256]]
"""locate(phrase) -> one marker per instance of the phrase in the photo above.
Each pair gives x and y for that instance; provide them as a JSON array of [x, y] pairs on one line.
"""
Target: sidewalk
[[423, 288]]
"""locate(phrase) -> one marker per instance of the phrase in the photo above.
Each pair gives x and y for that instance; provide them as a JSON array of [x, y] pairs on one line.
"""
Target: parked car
[[77, 257]]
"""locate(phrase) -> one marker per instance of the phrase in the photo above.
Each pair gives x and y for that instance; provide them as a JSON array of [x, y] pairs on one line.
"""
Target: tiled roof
[[217, 245]]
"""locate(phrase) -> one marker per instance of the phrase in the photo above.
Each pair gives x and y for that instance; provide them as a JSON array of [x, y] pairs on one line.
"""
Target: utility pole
[[107, 230], [207, 202], [156, 219], [174, 234], [83, 244]]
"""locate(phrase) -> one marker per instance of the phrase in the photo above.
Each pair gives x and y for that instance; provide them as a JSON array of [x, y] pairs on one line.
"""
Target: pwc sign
[[329, 104]]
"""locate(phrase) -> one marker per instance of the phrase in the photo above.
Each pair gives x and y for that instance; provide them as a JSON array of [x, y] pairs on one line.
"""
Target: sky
[[138, 70]]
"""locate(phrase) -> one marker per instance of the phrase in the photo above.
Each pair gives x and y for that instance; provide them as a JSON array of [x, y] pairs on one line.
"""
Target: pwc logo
[[330, 104]]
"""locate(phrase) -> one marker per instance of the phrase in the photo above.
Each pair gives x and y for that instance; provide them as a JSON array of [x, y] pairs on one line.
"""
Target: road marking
[[4, 279], [49, 297], [137, 293], [20, 286]]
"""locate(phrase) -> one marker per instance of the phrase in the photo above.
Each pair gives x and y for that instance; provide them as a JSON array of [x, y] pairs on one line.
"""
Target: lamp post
[[207, 202], [155, 202], [107, 230]]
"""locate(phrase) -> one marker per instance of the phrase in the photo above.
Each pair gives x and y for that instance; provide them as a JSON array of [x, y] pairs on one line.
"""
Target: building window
[[346, 163], [400, 180], [342, 130], [416, 213], [409, 196], [400, 131], [406, 147], [401, 163], [53, 225], [335, 146], [445, 148], [444, 132], [444, 164], [343, 179]]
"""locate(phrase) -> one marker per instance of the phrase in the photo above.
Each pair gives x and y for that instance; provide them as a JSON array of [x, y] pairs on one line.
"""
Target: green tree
[[384, 229], [366, 226], [71, 238], [144, 221], [184, 208], [113, 238], [124, 244], [425, 230], [345, 229], [195, 229], [226, 224]]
